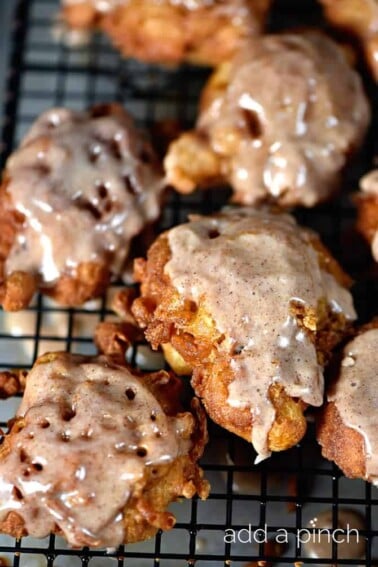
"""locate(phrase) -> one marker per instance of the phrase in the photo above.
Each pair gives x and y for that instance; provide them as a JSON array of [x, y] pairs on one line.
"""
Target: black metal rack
[[288, 488]]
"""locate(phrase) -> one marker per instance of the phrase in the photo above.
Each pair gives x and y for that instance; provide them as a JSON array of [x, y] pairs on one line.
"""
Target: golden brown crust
[[17, 290], [145, 512], [121, 304], [191, 161], [12, 382], [340, 443], [191, 336], [91, 280], [13, 525], [113, 339], [211, 385], [367, 215], [168, 33]]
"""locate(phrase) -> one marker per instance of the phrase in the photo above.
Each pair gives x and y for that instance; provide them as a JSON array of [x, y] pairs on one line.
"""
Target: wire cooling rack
[[283, 493]]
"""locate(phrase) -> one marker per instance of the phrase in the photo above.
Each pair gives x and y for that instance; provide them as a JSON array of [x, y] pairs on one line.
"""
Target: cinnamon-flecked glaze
[[355, 395], [252, 271], [289, 114], [86, 184], [87, 431]]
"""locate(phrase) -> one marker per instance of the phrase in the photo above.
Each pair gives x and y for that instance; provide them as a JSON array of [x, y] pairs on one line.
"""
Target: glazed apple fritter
[[278, 123], [252, 305], [97, 451], [78, 190]]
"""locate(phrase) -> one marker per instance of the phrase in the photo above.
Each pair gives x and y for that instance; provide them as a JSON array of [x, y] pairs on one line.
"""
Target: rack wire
[[284, 492]]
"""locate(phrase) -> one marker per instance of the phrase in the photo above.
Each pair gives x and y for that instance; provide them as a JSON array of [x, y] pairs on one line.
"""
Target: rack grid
[[284, 492]]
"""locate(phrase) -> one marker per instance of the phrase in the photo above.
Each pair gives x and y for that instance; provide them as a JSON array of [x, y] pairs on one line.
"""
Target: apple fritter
[[252, 305], [278, 123], [97, 451], [76, 193]]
